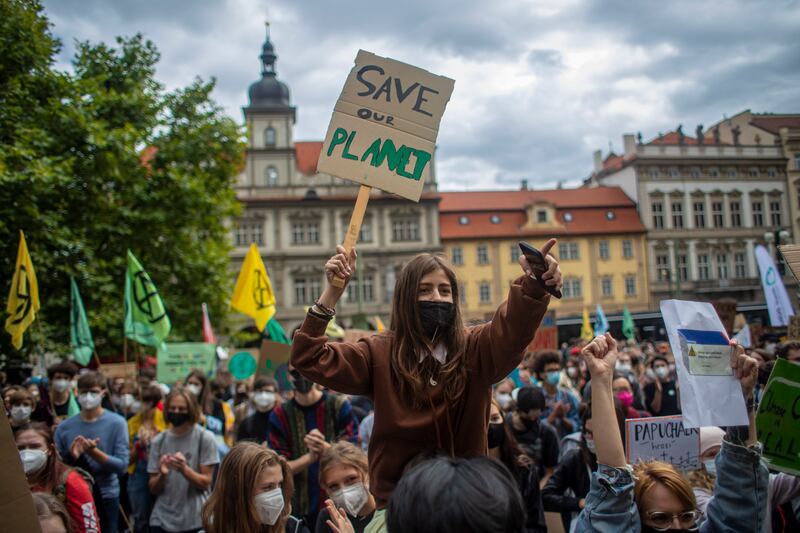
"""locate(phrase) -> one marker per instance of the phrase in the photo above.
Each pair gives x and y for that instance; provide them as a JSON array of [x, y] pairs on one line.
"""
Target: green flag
[[146, 320], [627, 325], [276, 333], [79, 333]]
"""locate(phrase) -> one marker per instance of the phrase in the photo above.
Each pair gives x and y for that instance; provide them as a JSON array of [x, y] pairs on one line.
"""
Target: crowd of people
[[429, 427]]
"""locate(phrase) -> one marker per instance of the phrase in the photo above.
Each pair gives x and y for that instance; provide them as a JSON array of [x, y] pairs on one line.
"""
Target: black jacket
[[528, 483], [571, 473]]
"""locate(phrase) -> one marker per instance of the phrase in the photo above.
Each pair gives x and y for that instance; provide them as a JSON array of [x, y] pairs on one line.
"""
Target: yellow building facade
[[601, 247]]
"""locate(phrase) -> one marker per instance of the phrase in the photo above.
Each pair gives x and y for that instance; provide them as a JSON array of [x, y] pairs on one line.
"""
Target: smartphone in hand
[[539, 266]]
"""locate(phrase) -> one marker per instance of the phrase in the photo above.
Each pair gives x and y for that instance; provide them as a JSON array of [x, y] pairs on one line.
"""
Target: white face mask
[[662, 372], [623, 368], [127, 400], [89, 400], [264, 399], [572, 372], [20, 413], [352, 498], [194, 389], [590, 445], [32, 460], [60, 385], [269, 505], [503, 398], [710, 466]]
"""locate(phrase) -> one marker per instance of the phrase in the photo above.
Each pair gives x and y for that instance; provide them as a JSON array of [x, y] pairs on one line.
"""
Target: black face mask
[[177, 419], [436, 317], [497, 435], [529, 424], [301, 384]]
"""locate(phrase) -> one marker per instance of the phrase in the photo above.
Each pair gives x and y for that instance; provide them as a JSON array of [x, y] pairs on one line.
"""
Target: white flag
[[743, 337], [778, 303]]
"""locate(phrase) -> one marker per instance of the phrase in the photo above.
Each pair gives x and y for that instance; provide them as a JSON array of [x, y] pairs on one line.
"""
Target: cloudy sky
[[539, 85]]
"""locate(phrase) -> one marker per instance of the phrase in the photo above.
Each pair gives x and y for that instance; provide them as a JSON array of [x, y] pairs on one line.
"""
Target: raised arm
[[609, 506], [600, 356], [342, 366], [502, 342], [740, 493]]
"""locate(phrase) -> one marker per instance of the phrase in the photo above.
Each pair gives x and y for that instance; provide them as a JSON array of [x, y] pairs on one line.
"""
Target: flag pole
[[97, 358]]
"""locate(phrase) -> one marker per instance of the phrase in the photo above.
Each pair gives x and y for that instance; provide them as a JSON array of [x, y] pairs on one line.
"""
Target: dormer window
[[494, 219], [610, 215], [567, 217], [463, 220], [541, 216]]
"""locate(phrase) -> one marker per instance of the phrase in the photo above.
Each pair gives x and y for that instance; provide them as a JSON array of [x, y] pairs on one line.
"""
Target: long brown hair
[[231, 508], [50, 475], [410, 340], [511, 454]]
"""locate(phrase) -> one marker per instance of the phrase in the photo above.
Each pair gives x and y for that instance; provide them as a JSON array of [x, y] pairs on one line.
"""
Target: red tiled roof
[[613, 162], [672, 138], [519, 200], [587, 206], [306, 155], [773, 124]]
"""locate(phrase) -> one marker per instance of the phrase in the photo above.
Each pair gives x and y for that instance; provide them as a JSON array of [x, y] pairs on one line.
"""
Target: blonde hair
[[343, 453], [701, 479], [231, 507], [652, 472]]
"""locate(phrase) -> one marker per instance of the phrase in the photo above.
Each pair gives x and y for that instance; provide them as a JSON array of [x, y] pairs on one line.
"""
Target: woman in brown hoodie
[[429, 377]]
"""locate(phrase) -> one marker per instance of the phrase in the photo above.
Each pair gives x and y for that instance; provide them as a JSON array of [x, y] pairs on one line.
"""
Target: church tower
[[269, 118]]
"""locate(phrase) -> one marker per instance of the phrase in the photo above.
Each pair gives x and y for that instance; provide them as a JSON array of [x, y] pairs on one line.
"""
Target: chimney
[[629, 142], [598, 160], [524, 185]]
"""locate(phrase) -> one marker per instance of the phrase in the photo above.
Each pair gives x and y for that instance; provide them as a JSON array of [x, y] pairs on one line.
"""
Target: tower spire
[[268, 56]]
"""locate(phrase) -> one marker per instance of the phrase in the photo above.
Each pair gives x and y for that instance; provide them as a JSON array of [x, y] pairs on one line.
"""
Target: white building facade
[[706, 207]]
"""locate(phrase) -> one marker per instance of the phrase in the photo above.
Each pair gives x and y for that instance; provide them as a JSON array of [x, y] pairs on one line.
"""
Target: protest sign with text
[[384, 125], [662, 438], [177, 359], [383, 132], [778, 418], [706, 400]]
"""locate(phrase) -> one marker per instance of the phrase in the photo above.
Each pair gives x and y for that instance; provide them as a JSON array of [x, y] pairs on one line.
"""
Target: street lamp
[[777, 237]]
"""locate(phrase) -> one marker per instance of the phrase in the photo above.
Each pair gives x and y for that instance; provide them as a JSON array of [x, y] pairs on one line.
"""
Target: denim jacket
[[739, 502]]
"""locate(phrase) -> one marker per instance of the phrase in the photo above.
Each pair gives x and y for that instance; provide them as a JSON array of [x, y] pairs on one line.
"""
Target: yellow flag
[[379, 324], [23, 298], [253, 294], [587, 333]]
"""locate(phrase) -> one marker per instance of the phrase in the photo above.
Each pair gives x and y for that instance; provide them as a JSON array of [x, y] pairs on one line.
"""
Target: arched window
[[269, 136], [271, 176]]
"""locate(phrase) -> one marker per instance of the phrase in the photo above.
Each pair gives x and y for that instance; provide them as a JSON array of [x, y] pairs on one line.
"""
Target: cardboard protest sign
[[119, 370], [791, 255], [706, 400], [546, 337], [384, 126], [778, 418], [273, 357], [176, 359], [16, 503], [662, 438]]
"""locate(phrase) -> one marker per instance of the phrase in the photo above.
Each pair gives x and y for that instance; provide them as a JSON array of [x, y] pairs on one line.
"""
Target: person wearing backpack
[[47, 474], [181, 466]]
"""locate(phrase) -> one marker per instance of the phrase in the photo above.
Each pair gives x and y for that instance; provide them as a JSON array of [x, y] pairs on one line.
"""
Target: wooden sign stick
[[355, 226]]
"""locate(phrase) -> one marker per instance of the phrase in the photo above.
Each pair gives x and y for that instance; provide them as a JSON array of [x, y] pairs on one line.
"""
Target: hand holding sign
[[745, 368], [342, 265]]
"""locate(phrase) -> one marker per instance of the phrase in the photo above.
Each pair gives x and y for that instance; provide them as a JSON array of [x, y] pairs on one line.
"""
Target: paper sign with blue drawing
[[705, 353]]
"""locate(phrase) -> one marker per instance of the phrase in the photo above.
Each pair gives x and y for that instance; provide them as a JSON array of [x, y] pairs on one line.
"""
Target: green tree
[[103, 159]]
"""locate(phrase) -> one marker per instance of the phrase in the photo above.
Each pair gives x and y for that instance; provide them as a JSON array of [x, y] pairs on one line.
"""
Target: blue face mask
[[710, 466], [553, 378]]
